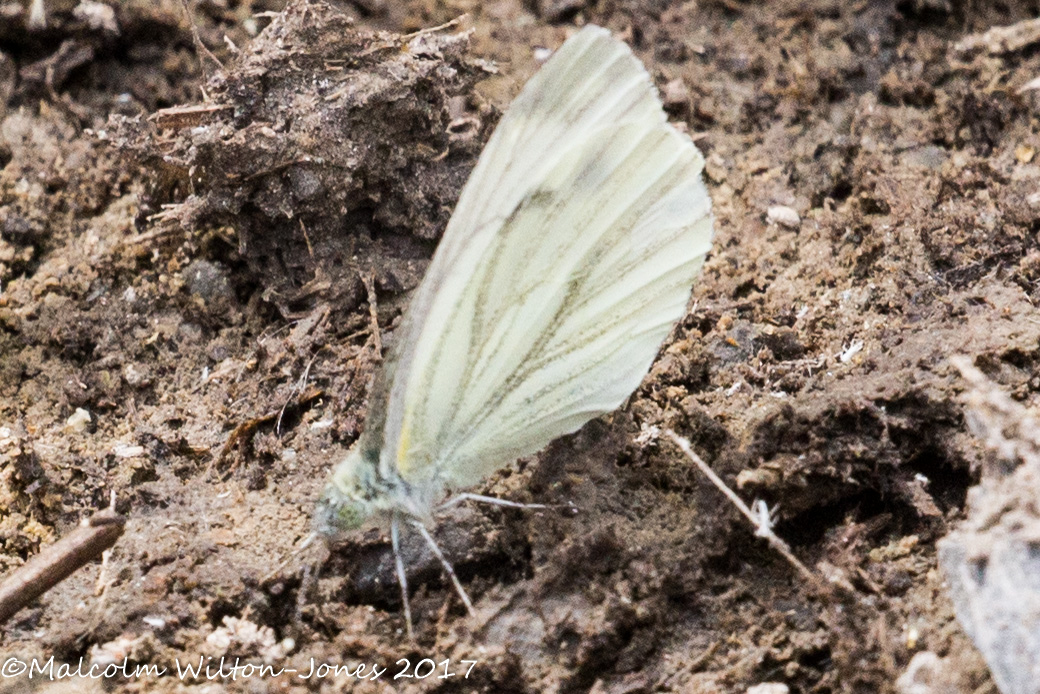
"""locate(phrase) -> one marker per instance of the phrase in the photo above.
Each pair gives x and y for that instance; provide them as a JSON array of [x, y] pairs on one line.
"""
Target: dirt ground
[[213, 286]]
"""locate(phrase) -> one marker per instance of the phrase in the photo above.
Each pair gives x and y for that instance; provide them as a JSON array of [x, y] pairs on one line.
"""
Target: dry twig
[[1002, 40], [759, 517], [57, 562]]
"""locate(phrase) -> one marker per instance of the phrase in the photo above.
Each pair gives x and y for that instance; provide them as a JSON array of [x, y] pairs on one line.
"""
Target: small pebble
[[769, 688], [78, 420], [784, 216]]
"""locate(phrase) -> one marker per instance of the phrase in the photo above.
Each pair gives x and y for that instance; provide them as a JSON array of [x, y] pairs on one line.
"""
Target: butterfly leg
[[402, 579], [466, 496], [447, 567]]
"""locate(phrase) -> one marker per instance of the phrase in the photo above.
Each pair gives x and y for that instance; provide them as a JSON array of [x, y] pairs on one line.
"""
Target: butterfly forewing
[[570, 255], [591, 81], [585, 321]]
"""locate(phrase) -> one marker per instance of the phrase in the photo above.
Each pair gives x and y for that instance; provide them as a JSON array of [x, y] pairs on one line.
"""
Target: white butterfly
[[570, 255]]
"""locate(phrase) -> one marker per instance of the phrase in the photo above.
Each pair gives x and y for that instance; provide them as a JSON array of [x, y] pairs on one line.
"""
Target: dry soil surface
[[214, 285]]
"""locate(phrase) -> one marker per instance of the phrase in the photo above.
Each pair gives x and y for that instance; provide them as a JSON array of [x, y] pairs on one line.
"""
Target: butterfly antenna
[[311, 570], [402, 579], [307, 582], [447, 567], [307, 542]]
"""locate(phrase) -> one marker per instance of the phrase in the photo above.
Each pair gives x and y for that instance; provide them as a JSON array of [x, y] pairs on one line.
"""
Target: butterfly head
[[350, 497]]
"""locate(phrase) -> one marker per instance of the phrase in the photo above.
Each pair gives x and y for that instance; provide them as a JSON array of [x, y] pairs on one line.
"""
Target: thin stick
[[402, 579], [58, 561], [307, 238], [761, 522], [298, 387], [373, 311], [199, 45], [431, 30]]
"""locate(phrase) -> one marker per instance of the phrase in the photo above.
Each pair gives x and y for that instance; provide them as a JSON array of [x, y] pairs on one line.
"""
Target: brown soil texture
[[214, 285]]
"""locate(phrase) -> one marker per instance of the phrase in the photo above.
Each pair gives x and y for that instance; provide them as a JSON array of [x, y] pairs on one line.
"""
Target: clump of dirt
[[311, 145], [873, 171]]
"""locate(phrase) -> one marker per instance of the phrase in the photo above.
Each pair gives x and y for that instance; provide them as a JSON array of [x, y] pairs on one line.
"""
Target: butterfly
[[568, 259]]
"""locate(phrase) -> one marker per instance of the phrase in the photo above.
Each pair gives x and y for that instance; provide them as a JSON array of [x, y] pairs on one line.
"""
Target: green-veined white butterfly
[[570, 255]]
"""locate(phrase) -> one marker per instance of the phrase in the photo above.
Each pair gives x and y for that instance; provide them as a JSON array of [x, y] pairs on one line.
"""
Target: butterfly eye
[[337, 513], [351, 515]]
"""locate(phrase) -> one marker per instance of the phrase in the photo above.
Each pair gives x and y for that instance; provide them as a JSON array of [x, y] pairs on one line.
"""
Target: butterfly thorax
[[359, 490]]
